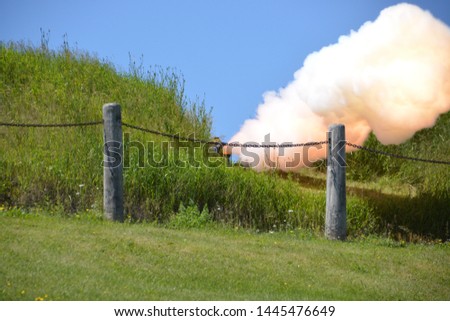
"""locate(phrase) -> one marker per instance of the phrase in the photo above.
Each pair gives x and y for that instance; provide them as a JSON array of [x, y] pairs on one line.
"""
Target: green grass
[[59, 170], [86, 258]]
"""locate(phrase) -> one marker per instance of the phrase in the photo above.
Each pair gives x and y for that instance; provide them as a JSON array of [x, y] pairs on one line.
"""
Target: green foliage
[[60, 171], [361, 218], [426, 178], [422, 207], [62, 167], [190, 217], [55, 258]]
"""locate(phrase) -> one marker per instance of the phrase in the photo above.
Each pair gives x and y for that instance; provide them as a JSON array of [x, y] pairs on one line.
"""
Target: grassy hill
[[59, 169]]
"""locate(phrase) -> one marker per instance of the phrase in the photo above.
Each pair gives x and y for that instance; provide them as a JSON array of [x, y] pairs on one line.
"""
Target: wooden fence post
[[336, 213], [112, 163]]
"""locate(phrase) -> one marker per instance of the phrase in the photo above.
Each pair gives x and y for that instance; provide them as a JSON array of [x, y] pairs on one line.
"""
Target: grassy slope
[[88, 259], [45, 167], [59, 169]]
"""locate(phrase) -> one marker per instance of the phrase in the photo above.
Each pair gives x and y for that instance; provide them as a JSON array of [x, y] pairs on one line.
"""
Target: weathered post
[[112, 163], [336, 213]]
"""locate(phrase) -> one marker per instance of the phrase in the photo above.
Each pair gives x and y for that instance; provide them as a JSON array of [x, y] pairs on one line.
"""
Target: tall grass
[[424, 178], [60, 169]]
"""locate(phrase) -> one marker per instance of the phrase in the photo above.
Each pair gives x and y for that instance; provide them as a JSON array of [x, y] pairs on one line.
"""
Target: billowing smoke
[[392, 77]]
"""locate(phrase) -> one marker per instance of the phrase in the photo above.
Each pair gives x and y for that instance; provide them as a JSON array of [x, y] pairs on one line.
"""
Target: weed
[[190, 217]]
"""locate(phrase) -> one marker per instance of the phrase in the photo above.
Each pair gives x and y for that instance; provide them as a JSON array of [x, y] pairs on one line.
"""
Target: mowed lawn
[[80, 258]]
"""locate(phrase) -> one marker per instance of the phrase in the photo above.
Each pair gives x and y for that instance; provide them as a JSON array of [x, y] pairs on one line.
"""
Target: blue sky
[[230, 52]]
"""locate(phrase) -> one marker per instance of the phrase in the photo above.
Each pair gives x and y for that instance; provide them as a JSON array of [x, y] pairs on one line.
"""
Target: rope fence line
[[245, 145], [174, 136], [89, 123], [325, 142], [113, 178], [375, 151], [152, 131]]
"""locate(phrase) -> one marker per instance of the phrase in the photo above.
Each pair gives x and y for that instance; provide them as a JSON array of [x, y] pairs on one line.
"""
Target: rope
[[222, 143], [249, 145], [174, 136], [89, 123], [276, 145], [375, 151]]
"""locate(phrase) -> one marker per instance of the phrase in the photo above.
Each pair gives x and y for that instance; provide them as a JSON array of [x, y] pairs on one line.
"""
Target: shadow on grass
[[409, 218]]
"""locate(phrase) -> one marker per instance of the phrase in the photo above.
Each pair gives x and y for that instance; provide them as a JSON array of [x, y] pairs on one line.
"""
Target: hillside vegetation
[[59, 169]]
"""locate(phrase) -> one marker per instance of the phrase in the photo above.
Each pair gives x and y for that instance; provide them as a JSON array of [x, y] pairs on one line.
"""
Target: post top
[[335, 126], [110, 106]]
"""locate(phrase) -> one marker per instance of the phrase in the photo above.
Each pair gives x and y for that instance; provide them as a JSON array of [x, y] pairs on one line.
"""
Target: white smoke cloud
[[392, 77]]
